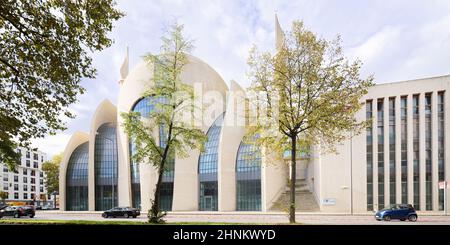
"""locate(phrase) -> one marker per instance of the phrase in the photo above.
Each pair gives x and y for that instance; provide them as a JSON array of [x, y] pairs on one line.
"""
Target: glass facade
[[404, 148], [369, 155], [207, 168], [428, 157], [392, 182], [416, 154], [248, 178], [441, 146], [380, 111], [145, 106], [77, 179], [105, 165]]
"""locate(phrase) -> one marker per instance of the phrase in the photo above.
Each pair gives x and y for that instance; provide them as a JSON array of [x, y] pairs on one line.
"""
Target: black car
[[17, 211], [125, 212]]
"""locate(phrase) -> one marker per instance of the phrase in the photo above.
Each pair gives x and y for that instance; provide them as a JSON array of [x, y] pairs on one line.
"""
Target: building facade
[[400, 158], [26, 183]]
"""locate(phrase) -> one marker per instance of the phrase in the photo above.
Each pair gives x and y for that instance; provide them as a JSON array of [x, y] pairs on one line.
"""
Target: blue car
[[397, 211]]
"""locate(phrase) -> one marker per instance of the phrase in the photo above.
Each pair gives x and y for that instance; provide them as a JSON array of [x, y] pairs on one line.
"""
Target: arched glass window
[[145, 106], [248, 177], [77, 179], [207, 168], [105, 164]]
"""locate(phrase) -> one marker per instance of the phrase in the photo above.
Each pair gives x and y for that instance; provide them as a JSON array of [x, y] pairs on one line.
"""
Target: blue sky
[[397, 40]]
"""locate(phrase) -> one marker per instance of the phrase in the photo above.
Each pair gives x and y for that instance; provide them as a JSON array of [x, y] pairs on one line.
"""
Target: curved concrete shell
[[77, 139]]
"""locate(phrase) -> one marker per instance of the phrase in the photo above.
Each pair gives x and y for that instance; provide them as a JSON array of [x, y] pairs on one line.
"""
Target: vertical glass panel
[[380, 111], [248, 178], [441, 146], [77, 179], [105, 166], [428, 158], [392, 148], [416, 154], [404, 151], [207, 168], [369, 156]]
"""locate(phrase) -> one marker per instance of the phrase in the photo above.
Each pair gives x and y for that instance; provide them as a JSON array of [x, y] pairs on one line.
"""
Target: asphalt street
[[236, 217]]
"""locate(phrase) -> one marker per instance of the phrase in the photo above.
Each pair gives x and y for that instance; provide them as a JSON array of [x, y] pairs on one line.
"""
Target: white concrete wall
[[105, 113], [76, 140], [232, 133], [274, 176]]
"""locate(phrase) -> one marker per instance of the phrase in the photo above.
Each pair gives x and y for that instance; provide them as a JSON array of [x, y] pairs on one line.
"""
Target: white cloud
[[376, 44], [52, 144]]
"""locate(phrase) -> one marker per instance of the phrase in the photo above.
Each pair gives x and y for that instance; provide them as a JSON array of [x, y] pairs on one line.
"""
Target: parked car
[[48, 207], [17, 211], [30, 210], [397, 211], [125, 212]]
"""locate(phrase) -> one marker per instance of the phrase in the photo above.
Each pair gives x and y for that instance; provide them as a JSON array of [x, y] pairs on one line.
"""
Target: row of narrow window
[[403, 148]]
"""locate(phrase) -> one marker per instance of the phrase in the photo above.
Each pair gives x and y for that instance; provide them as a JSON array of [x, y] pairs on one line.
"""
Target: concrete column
[[409, 124], [124, 171], [422, 150], [398, 149], [186, 186], [434, 152], [447, 144], [274, 175], [124, 168], [232, 133]]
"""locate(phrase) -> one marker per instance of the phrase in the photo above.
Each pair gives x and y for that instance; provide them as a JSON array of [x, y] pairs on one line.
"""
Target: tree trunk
[[292, 180], [155, 205]]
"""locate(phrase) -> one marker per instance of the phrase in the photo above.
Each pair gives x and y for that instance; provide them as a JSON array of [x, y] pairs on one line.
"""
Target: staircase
[[304, 199]]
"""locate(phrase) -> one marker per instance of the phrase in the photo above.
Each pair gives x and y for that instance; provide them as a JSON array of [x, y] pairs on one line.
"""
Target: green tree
[[45, 48], [51, 170], [175, 100], [3, 196], [310, 93]]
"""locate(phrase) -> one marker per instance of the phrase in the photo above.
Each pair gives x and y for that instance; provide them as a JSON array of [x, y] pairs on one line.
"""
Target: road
[[266, 218]]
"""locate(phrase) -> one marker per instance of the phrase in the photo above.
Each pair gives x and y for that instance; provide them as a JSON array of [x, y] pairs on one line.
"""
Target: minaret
[[279, 36], [124, 69]]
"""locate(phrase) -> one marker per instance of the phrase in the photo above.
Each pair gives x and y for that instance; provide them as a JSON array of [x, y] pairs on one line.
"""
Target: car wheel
[[105, 216], [412, 218], [134, 216], [31, 215], [16, 216], [387, 218], [126, 216]]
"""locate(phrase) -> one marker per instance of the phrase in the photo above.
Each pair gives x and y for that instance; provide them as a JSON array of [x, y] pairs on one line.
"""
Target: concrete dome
[[196, 71]]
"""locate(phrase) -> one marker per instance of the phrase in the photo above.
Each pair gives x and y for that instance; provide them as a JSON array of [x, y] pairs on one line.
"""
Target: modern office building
[[400, 158], [26, 183]]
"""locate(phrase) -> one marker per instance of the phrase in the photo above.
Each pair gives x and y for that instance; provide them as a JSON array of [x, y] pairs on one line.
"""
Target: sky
[[395, 39]]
